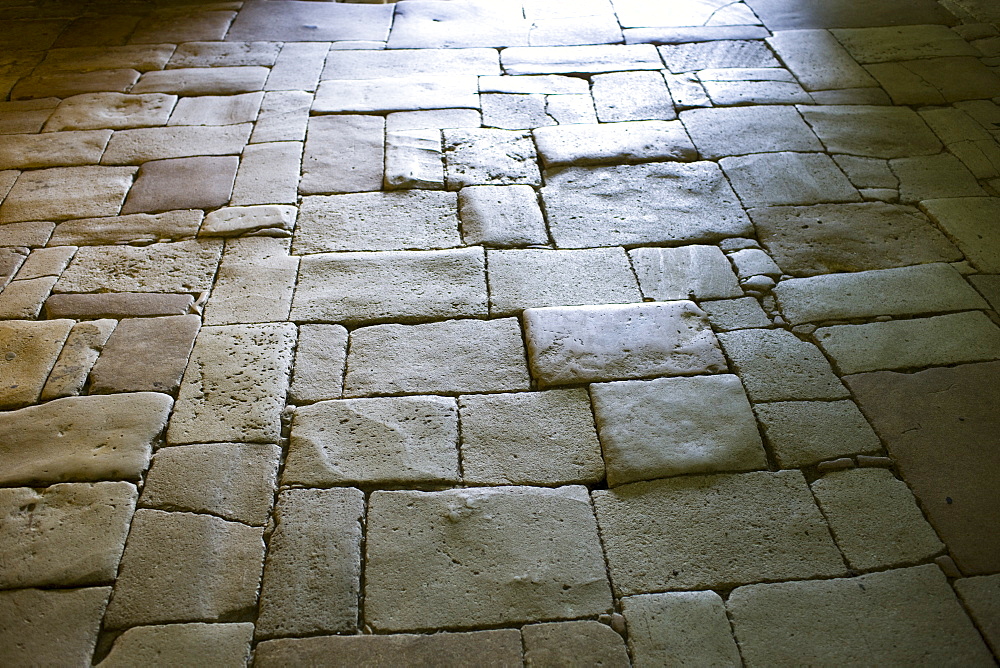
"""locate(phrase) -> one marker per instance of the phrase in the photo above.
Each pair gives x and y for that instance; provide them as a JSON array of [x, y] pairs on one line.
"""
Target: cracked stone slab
[[665, 534], [715, 54], [632, 96], [687, 272], [774, 179], [489, 157], [802, 433], [66, 192], [186, 266], [432, 25], [614, 143], [308, 22], [411, 93], [875, 131], [343, 154], [374, 441], [580, 59], [635, 204], [501, 216], [51, 625], [115, 111], [139, 227], [30, 350], [145, 355], [968, 221], [320, 356], [579, 344], [402, 63], [203, 81], [177, 644], [68, 534], [819, 61], [143, 144], [936, 80], [689, 626], [721, 132], [82, 348], [255, 282], [588, 641], [466, 553]]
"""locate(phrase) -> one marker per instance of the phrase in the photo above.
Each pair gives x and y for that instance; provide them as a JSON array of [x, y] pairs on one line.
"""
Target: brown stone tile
[[183, 183], [145, 354]]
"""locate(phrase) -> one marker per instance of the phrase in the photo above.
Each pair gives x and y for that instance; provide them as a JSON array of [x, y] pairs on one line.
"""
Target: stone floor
[[496, 332]]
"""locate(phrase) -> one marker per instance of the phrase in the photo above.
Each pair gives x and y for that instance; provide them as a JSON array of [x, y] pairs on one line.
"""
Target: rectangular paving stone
[[65, 535], [534, 85], [145, 355], [216, 109], [489, 157], [399, 286], [688, 626], [203, 182], [223, 54], [275, 220], [219, 400], [613, 143], [182, 25], [632, 96], [313, 569], [66, 192], [907, 344], [452, 357], [186, 266], [432, 119], [936, 80], [268, 174], [501, 216], [567, 109], [773, 179], [298, 66], [283, 117], [465, 553], [874, 131], [203, 81], [588, 640], [26, 116], [515, 112], [169, 225], [82, 348], [116, 305], [413, 159], [379, 441], [527, 278], [90, 58], [979, 595], [729, 314], [968, 221], [646, 203], [467, 24], [933, 177], [687, 272], [217, 644], [818, 60], [751, 87], [664, 427], [144, 144], [579, 59], [23, 299], [403, 63], [308, 22], [720, 132], [254, 284], [53, 149], [579, 344], [74, 83], [699, 532], [320, 357], [420, 220], [51, 625], [343, 154], [903, 42], [30, 351], [712, 54], [802, 433], [116, 111], [397, 94]]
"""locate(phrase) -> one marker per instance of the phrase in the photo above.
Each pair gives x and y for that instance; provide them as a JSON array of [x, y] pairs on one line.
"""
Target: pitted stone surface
[[187, 266], [116, 111], [614, 143], [374, 441], [66, 192], [486, 556], [489, 157], [579, 344], [688, 272], [802, 433], [177, 644], [51, 626], [736, 131], [685, 626], [501, 216], [320, 356], [588, 642], [729, 314]]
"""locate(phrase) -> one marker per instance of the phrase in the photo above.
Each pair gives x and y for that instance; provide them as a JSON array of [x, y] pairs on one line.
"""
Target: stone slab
[[819, 61], [74, 83], [489, 157], [634, 13], [874, 131], [589, 642], [687, 626], [969, 222], [136, 227], [687, 272], [53, 149], [432, 119], [501, 216], [255, 282], [81, 350], [723, 132], [515, 112], [203, 81], [613, 143], [773, 179], [178, 644], [403, 63], [283, 117], [182, 183], [413, 159], [186, 266], [217, 110], [544, 84], [687, 34], [343, 154], [116, 111], [632, 96], [30, 350], [320, 356], [934, 177], [936, 80], [66, 192], [430, 25], [116, 305], [131, 147], [803, 433], [51, 626], [981, 596], [903, 42], [29, 234], [145, 355], [729, 314], [411, 93], [580, 59], [306, 21], [693, 55], [223, 54]]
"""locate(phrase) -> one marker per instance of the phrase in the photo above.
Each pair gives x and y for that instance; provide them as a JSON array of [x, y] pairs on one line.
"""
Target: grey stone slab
[[534, 85], [204, 182], [65, 535], [432, 119], [413, 159], [177, 644], [879, 132], [936, 80], [907, 344], [74, 83], [30, 351], [673, 426], [689, 626], [493, 538], [268, 174], [632, 96], [819, 61], [750, 262], [116, 111], [687, 272], [687, 34], [980, 596], [699, 532], [106, 57], [186, 266], [216, 110], [635, 13], [452, 357], [515, 112], [613, 143], [739, 130], [143, 144], [312, 574], [255, 282], [398, 286], [295, 21], [967, 221], [729, 314], [802, 433], [66, 192], [283, 117], [794, 622], [320, 357], [489, 157], [403, 63], [381, 440], [224, 54], [397, 94], [298, 66], [203, 81], [81, 350], [145, 355], [182, 567], [776, 366], [51, 626], [116, 305], [988, 286], [711, 54], [527, 278], [235, 481], [934, 177], [779, 15], [902, 42], [579, 59], [219, 401], [501, 216], [851, 96], [636, 204], [343, 154], [587, 641], [579, 344], [772, 179], [432, 25], [140, 227]]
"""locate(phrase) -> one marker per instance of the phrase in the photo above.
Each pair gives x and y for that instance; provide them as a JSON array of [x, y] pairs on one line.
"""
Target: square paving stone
[[802, 433], [613, 143], [343, 154], [878, 132], [186, 266], [589, 642], [474, 557], [420, 220], [294, 21], [771, 179], [687, 626], [183, 567], [501, 216], [374, 441], [179, 644], [671, 426], [66, 192], [635, 204], [398, 286], [520, 279], [700, 532], [313, 569], [489, 157], [451, 357], [145, 355], [688, 272], [737, 131], [413, 159], [632, 96], [541, 438], [183, 183], [971, 223], [940, 427], [828, 238], [66, 535], [845, 621], [936, 80], [580, 344], [30, 350], [58, 626]]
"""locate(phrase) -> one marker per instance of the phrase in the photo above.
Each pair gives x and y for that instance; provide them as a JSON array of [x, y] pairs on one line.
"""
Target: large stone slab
[[178, 644], [411, 93], [30, 350], [296, 21], [203, 80], [146, 227], [132, 147], [217, 110], [587, 641], [940, 176], [401, 63], [482, 556], [145, 355], [689, 56], [255, 282], [74, 83], [936, 80], [739, 130], [635, 204], [186, 266], [687, 272], [81, 438], [802, 433], [878, 132], [489, 157], [580, 59], [283, 117], [635, 13], [970, 222], [613, 143], [374, 441], [204, 182], [343, 154], [905, 42], [233, 221], [688, 626], [116, 111], [433, 25], [53, 149], [580, 344], [51, 626], [66, 192], [774, 179]]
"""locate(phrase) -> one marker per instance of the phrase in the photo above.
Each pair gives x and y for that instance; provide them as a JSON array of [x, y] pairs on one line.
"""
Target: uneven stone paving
[[499, 332]]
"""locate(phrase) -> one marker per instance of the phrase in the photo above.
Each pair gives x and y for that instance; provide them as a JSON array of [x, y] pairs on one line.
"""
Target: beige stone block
[[343, 154], [82, 348], [55, 626], [276, 220], [684, 628], [254, 283], [320, 356], [87, 306], [217, 110], [74, 83], [138, 227], [283, 117], [29, 352], [874, 131], [906, 42], [587, 642], [432, 119], [186, 266], [203, 81], [23, 300], [26, 116], [67, 192], [268, 174], [145, 144], [413, 159], [145, 355], [56, 149], [222, 645]]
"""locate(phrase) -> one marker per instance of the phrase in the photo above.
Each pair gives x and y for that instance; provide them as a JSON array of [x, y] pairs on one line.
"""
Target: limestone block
[[23, 299], [54, 626], [515, 112], [298, 66], [579, 344], [130, 147], [66, 535], [934, 177], [145, 227], [403, 63], [74, 83], [182, 183], [305, 21], [45, 262], [267, 220], [501, 216], [489, 157], [774, 179], [283, 117], [686, 91], [255, 282], [53, 149], [413, 159], [30, 350], [721, 132], [26, 116], [802, 433], [451, 357], [818, 60], [729, 314], [397, 94], [145, 355], [567, 109], [432, 119], [752, 87], [343, 154], [66, 192], [750, 262], [83, 347], [374, 441], [687, 272], [82, 438], [451, 26], [667, 534], [203, 81], [116, 111], [614, 143], [268, 174], [867, 172], [967, 220], [223, 645], [684, 626], [580, 59], [235, 481], [186, 266], [588, 642], [541, 438], [632, 96], [981, 596], [116, 305], [534, 85], [182, 567], [905, 42], [320, 356], [874, 131], [224, 54], [217, 110]]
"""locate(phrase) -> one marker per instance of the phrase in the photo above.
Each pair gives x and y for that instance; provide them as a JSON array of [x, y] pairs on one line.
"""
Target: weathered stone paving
[[499, 332]]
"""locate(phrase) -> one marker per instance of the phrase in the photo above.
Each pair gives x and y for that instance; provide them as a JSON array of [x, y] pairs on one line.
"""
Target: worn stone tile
[[55, 149], [374, 441], [689, 34], [30, 351], [203, 81], [501, 444], [688, 272], [432, 119], [902, 42], [602, 29], [988, 285], [182, 26], [254, 284], [730, 314], [177, 644], [568, 109], [802, 433], [705, 55], [204, 182], [981, 596], [298, 66], [578, 344], [905, 344], [186, 266], [772, 179], [730, 87], [81, 350], [397, 94], [489, 157], [750, 262], [235, 481], [400, 286], [216, 110], [144, 144], [413, 159], [550, 533], [867, 172], [224, 54], [795, 622], [453, 357], [92, 58], [635, 13], [12, 259], [206, 569], [926, 288], [501, 216], [685, 626], [404, 63], [145, 355], [686, 91], [268, 174], [515, 112], [819, 61], [137, 227], [588, 642], [45, 262], [968, 221], [74, 83], [51, 626], [646, 203], [107, 30], [632, 96], [27, 116], [529, 278], [469, 24], [23, 299], [115, 111], [68, 534], [308, 22], [219, 401], [934, 177], [613, 143], [736, 131], [774, 365], [579, 59], [320, 357], [534, 85], [343, 154], [490, 649], [878, 132], [116, 305], [936, 80], [666, 534], [274, 220], [779, 15], [283, 117]]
